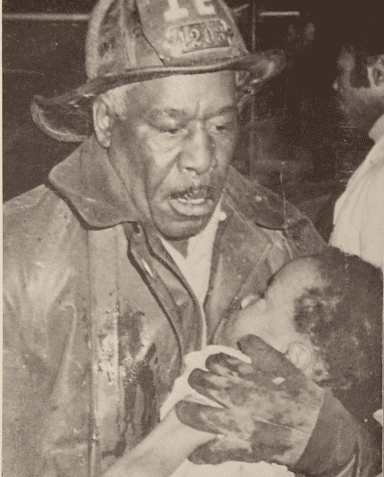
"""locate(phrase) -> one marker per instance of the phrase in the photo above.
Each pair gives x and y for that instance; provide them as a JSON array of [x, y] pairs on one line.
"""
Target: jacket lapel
[[240, 253]]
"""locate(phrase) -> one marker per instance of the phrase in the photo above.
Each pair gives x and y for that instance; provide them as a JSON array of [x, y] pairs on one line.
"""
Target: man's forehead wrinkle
[[227, 109], [159, 113], [213, 112], [181, 114]]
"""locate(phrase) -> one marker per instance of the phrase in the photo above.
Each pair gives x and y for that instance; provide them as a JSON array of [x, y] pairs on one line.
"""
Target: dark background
[[294, 142]]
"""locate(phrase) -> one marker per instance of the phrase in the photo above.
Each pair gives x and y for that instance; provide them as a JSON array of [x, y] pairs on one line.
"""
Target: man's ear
[[299, 355], [378, 71], [103, 119]]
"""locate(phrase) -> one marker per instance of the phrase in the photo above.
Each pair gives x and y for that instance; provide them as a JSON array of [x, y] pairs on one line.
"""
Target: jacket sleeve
[[26, 385], [339, 446], [45, 353], [24, 395]]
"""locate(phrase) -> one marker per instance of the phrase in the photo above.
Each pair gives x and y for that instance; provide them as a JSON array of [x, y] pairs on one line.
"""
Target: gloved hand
[[269, 407]]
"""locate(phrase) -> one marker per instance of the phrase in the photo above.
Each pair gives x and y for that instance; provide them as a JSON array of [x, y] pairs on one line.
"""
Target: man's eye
[[171, 131], [223, 127]]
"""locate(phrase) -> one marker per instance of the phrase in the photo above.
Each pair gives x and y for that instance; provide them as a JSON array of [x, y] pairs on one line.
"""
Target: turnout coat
[[97, 315]]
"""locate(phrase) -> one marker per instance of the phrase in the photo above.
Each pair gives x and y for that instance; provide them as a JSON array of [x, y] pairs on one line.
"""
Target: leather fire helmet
[[130, 41]]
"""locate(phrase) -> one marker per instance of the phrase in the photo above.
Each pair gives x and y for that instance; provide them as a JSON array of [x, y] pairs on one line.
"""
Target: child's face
[[270, 316]]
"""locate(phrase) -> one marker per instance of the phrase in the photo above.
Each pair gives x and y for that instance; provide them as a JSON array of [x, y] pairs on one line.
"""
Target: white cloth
[[181, 389], [359, 212]]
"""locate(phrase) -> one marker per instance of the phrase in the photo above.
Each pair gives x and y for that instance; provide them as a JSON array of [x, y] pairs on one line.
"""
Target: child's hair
[[344, 319]]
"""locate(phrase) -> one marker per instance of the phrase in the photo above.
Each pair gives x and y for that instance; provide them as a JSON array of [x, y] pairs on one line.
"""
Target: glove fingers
[[200, 417], [222, 450], [229, 366], [214, 386], [266, 358], [254, 388]]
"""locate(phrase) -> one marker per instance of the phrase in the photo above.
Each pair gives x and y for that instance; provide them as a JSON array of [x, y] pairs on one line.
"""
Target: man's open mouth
[[195, 195], [194, 200]]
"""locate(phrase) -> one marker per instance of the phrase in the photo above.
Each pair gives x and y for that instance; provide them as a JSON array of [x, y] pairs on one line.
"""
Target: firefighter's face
[[173, 148]]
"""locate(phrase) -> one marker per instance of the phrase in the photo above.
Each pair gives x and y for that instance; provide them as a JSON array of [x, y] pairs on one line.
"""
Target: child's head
[[324, 313]]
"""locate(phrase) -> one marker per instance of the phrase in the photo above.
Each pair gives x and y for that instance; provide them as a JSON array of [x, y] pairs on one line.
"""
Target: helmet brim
[[68, 117]]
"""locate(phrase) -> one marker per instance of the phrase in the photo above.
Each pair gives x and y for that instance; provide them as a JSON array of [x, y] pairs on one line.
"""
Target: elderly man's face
[[174, 147], [358, 97]]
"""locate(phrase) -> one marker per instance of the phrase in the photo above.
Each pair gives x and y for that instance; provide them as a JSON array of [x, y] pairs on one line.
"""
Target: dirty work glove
[[269, 408]]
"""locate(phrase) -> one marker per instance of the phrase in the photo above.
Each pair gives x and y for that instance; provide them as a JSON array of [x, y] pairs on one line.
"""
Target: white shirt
[[359, 212]]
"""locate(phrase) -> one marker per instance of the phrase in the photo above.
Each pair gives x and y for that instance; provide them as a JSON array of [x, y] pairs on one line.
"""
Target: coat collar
[[88, 181]]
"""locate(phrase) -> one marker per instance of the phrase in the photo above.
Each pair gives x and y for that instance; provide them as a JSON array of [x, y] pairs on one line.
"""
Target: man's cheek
[[225, 152], [158, 183], [158, 144]]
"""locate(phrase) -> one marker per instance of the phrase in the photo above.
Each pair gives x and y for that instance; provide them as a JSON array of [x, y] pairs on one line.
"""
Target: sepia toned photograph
[[193, 238]]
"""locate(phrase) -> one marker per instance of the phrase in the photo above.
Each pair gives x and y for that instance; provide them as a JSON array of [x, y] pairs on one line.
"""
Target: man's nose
[[198, 154], [335, 85]]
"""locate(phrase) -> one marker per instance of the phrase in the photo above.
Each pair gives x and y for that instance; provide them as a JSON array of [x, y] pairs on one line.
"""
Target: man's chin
[[183, 221], [182, 230], [354, 118]]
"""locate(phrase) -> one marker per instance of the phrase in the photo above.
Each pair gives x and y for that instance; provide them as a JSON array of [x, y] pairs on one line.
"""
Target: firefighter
[[140, 242]]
